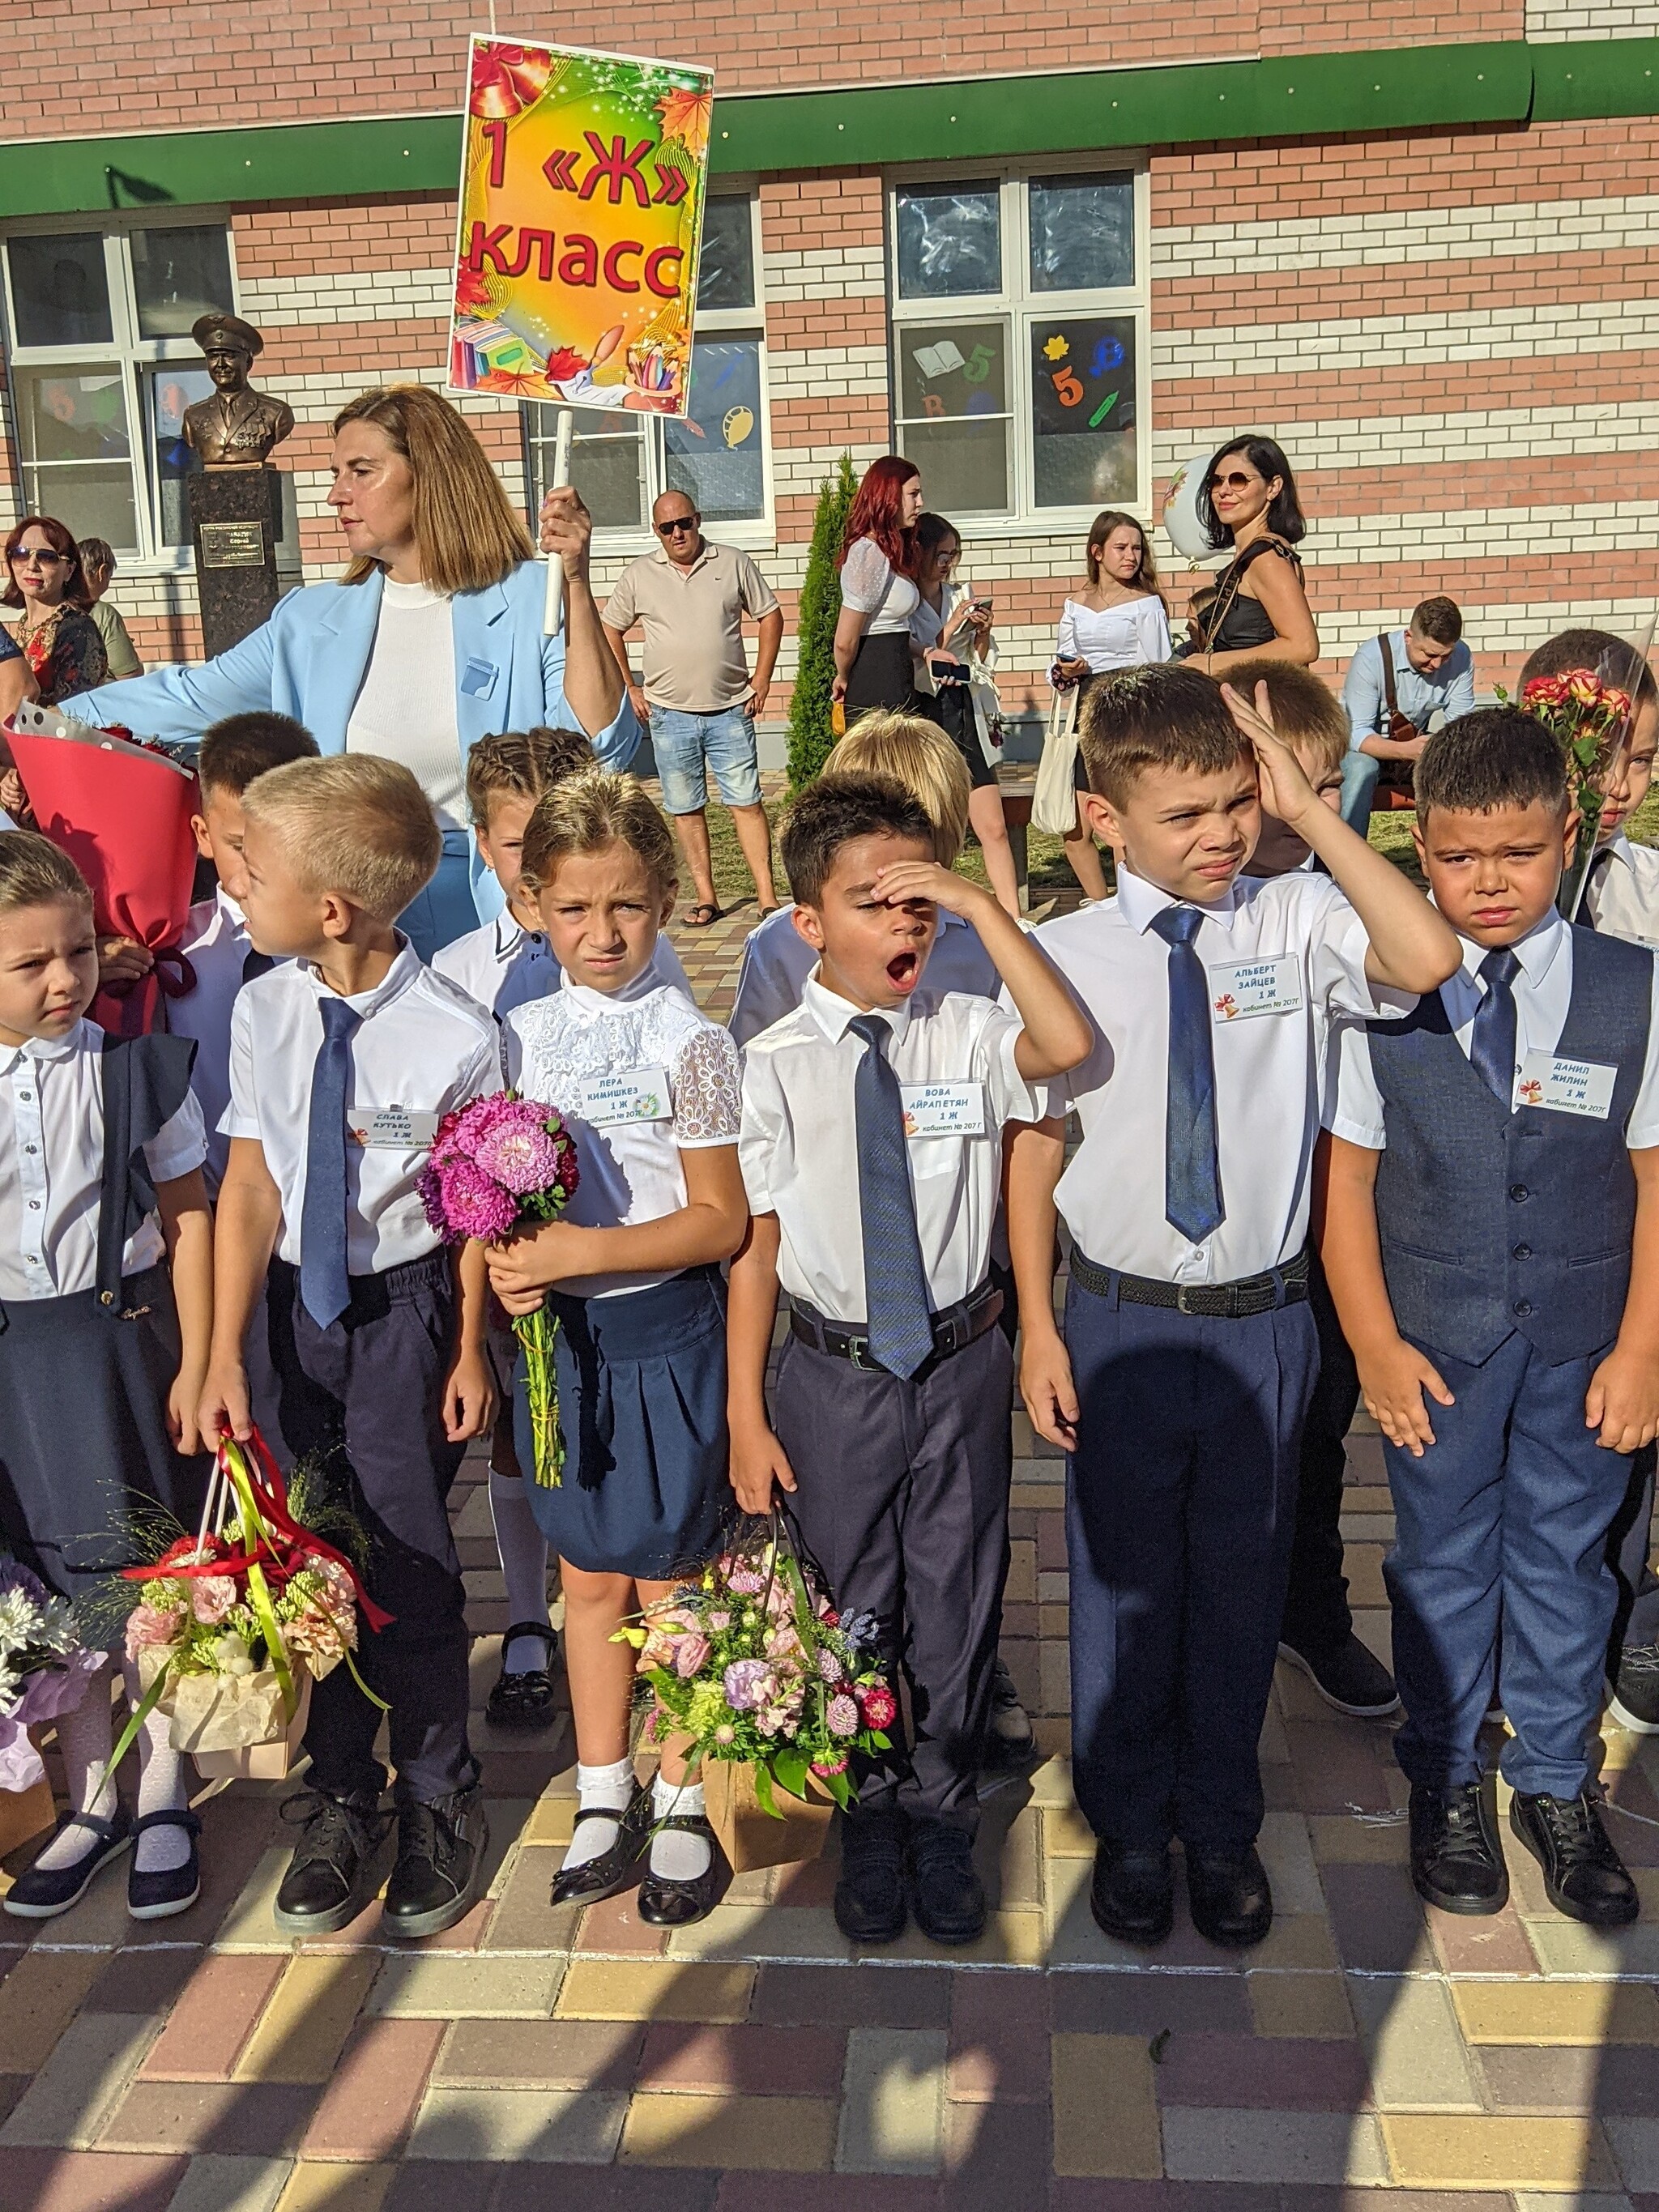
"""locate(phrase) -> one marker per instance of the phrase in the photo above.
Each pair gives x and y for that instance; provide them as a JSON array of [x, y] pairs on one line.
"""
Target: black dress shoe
[[325, 1885], [1229, 1893], [667, 1901], [1350, 1678], [39, 1895], [946, 1894], [158, 1896], [1457, 1861], [439, 1865], [1132, 1895], [1010, 1744], [870, 1907], [613, 1869], [1583, 1877], [528, 1700]]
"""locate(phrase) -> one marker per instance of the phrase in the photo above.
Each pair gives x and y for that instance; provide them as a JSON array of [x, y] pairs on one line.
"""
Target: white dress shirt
[[215, 943], [1268, 1071], [799, 1148], [1542, 990], [1622, 898], [52, 1166], [503, 966], [777, 961], [421, 1043], [630, 1171]]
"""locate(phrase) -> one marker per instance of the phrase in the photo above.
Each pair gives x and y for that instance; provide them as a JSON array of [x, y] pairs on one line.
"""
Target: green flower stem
[[535, 1333]]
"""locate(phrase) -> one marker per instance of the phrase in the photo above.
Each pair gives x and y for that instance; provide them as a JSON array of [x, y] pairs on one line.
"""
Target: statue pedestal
[[235, 522]]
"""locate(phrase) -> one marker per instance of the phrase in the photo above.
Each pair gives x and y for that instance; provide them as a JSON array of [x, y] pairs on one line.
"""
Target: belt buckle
[[854, 1356], [1182, 1306]]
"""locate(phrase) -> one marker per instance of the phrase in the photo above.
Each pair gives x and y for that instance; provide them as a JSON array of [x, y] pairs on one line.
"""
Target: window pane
[[75, 450], [179, 274], [964, 465], [168, 392], [60, 289], [607, 463], [725, 274], [1083, 233], [716, 455], [1083, 394], [950, 369], [949, 242]]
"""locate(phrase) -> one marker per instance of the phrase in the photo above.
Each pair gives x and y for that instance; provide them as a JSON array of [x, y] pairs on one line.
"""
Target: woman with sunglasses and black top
[[58, 637], [1258, 609]]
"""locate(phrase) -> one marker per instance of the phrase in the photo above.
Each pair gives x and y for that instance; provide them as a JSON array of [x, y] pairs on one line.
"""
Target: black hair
[[1495, 757], [932, 530], [243, 746], [1267, 456], [1163, 714], [832, 813]]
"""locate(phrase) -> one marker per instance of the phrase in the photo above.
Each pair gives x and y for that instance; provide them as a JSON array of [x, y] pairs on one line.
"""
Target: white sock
[[523, 1550], [85, 1738], [675, 1856], [608, 1788], [160, 1790]]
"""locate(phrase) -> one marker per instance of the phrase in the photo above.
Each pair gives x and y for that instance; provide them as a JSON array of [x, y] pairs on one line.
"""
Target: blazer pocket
[[1601, 1259], [1421, 1252]]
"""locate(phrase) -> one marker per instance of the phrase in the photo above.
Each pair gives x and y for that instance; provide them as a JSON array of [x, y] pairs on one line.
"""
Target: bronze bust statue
[[238, 427]]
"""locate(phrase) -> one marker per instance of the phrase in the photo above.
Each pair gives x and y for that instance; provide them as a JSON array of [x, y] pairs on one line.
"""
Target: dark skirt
[[83, 1437], [642, 1381], [952, 709], [882, 677]]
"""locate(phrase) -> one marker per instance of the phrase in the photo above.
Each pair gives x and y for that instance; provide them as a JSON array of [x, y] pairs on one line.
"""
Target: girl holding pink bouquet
[[649, 1089]]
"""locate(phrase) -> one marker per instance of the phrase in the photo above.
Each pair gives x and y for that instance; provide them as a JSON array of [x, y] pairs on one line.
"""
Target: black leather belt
[[1252, 1294], [953, 1330]]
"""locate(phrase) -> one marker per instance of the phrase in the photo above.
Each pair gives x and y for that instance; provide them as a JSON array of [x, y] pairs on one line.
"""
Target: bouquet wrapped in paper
[[775, 1689], [45, 1669], [501, 1164]]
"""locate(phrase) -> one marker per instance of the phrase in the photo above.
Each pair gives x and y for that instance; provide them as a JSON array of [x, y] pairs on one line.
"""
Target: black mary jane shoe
[[666, 1903], [175, 1889], [526, 1701], [42, 1895], [613, 1869]]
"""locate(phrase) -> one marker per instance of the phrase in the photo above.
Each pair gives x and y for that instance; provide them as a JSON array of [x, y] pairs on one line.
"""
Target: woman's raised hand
[[566, 529]]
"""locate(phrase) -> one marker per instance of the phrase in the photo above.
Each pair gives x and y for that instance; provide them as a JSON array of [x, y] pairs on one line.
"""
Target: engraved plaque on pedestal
[[235, 517]]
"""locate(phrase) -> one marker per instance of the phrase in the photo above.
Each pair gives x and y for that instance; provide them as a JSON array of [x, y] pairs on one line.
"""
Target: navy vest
[[1493, 1222], [146, 1081]]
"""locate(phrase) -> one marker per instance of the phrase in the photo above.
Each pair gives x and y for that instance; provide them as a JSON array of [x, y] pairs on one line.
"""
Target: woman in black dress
[[1258, 609]]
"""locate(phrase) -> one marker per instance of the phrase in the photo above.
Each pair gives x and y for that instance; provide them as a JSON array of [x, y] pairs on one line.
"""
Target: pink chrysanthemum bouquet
[[502, 1163]]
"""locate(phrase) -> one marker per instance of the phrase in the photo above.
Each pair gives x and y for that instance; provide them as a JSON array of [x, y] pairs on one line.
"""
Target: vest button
[[1523, 1308], [1518, 1191], [1522, 1252]]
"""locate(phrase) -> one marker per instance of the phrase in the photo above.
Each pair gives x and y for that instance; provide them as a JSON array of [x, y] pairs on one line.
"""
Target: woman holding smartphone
[[950, 640]]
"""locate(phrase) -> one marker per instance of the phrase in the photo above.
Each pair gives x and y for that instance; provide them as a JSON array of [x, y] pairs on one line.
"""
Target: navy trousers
[[1317, 1619], [365, 1394], [1629, 1544], [1503, 1525], [1180, 1508]]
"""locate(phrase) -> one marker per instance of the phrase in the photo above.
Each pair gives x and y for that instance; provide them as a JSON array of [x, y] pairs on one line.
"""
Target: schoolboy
[[872, 1116], [1180, 1388], [215, 941], [1495, 1163], [344, 1327]]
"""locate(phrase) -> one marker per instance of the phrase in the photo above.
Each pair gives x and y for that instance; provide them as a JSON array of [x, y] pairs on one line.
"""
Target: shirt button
[[34, 1205], [1522, 1309], [1518, 1191], [29, 1148], [28, 1097], [1522, 1252]]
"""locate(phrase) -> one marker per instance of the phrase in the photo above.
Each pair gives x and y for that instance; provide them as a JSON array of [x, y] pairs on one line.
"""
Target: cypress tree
[[810, 737]]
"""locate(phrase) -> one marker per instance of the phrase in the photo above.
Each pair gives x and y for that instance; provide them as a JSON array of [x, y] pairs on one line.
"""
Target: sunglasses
[[1234, 483], [42, 554], [673, 529]]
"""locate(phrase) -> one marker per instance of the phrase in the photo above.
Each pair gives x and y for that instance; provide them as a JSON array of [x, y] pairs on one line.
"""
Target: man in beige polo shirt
[[697, 694]]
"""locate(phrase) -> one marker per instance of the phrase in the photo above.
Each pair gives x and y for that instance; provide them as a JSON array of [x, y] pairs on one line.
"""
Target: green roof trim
[[1308, 95]]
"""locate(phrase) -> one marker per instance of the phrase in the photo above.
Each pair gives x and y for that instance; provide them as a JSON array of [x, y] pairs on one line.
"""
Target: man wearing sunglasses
[[696, 693]]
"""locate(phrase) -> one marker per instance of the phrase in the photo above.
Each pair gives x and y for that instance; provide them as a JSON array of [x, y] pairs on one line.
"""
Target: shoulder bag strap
[[1393, 702]]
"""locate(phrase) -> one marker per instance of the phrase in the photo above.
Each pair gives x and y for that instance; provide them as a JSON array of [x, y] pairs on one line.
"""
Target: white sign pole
[[553, 619]]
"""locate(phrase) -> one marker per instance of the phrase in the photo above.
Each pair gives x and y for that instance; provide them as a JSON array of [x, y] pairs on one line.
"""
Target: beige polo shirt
[[693, 617]]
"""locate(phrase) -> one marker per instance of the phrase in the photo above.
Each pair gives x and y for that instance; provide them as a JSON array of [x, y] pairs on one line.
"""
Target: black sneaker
[[439, 1866], [1350, 1678], [1457, 1862], [1583, 1877], [946, 1894], [1635, 1703], [1010, 1744], [1132, 1895], [870, 1901], [324, 1888], [529, 1699], [1230, 1896]]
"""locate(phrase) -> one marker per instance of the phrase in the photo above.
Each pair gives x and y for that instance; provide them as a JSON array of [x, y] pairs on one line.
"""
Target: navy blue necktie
[[1491, 1041], [1192, 1166], [324, 1277], [897, 1313], [256, 964]]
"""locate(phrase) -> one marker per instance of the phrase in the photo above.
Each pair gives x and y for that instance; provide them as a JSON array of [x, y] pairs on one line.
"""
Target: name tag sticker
[[944, 1110], [639, 1094], [394, 1128], [1245, 988], [1565, 1086]]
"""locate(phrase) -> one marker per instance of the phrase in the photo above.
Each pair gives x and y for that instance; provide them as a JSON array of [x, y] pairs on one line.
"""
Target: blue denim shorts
[[685, 744]]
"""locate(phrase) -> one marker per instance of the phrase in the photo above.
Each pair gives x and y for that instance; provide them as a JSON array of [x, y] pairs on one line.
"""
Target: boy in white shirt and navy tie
[[345, 1329], [870, 1149], [1181, 1384]]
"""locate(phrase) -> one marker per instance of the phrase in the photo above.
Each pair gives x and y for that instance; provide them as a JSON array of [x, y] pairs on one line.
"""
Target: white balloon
[[1181, 523]]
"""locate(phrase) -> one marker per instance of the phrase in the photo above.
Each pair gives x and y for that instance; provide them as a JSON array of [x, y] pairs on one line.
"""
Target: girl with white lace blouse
[[651, 1091]]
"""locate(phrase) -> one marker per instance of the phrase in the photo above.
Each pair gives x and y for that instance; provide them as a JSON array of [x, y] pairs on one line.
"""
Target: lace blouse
[[870, 586], [631, 1169]]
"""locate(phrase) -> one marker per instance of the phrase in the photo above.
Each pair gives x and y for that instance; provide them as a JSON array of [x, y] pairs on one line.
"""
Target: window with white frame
[[716, 454], [102, 367], [1019, 328]]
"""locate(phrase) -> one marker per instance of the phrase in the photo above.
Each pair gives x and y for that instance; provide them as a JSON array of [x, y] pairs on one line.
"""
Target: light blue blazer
[[309, 661]]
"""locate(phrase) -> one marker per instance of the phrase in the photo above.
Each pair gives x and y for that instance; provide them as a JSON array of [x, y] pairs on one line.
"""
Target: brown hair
[[1162, 716], [243, 746], [521, 764], [34, 872], [468, 534], [1495, 757], [1599, 653], [1306, 713], [835, 810], [1108, 521], [1439, 618], [353, 823], [61, 538], [909, 751], [585, 814]]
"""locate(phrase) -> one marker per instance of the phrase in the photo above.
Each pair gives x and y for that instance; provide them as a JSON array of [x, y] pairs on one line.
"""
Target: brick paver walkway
[[1369, 2054]]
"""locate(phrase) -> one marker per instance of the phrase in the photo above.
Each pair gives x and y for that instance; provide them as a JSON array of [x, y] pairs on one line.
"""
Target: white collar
[[45, 1048], [586, 1000], [1536, 952], [1618, 846], [404, 971], [1140, 902], [835, 1015], [229, 915]]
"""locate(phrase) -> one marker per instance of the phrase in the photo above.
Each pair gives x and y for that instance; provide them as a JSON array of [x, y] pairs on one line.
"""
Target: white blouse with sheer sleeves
[[1124, 635], [630, 1171], [870, 586]]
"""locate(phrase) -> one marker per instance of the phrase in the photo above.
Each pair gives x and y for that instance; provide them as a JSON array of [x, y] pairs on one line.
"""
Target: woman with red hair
[[59, 636], [879, 593]]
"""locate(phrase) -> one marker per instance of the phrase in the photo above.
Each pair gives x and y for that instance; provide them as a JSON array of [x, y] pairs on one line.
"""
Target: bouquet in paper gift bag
[[45, 1669], [775, 1689]]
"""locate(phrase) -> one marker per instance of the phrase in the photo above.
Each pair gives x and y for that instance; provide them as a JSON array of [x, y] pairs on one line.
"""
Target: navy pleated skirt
[[84, 1450], [642, 1381]]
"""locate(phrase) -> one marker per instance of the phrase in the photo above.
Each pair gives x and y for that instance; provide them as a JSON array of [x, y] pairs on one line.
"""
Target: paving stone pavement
[[1369, 2053]]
